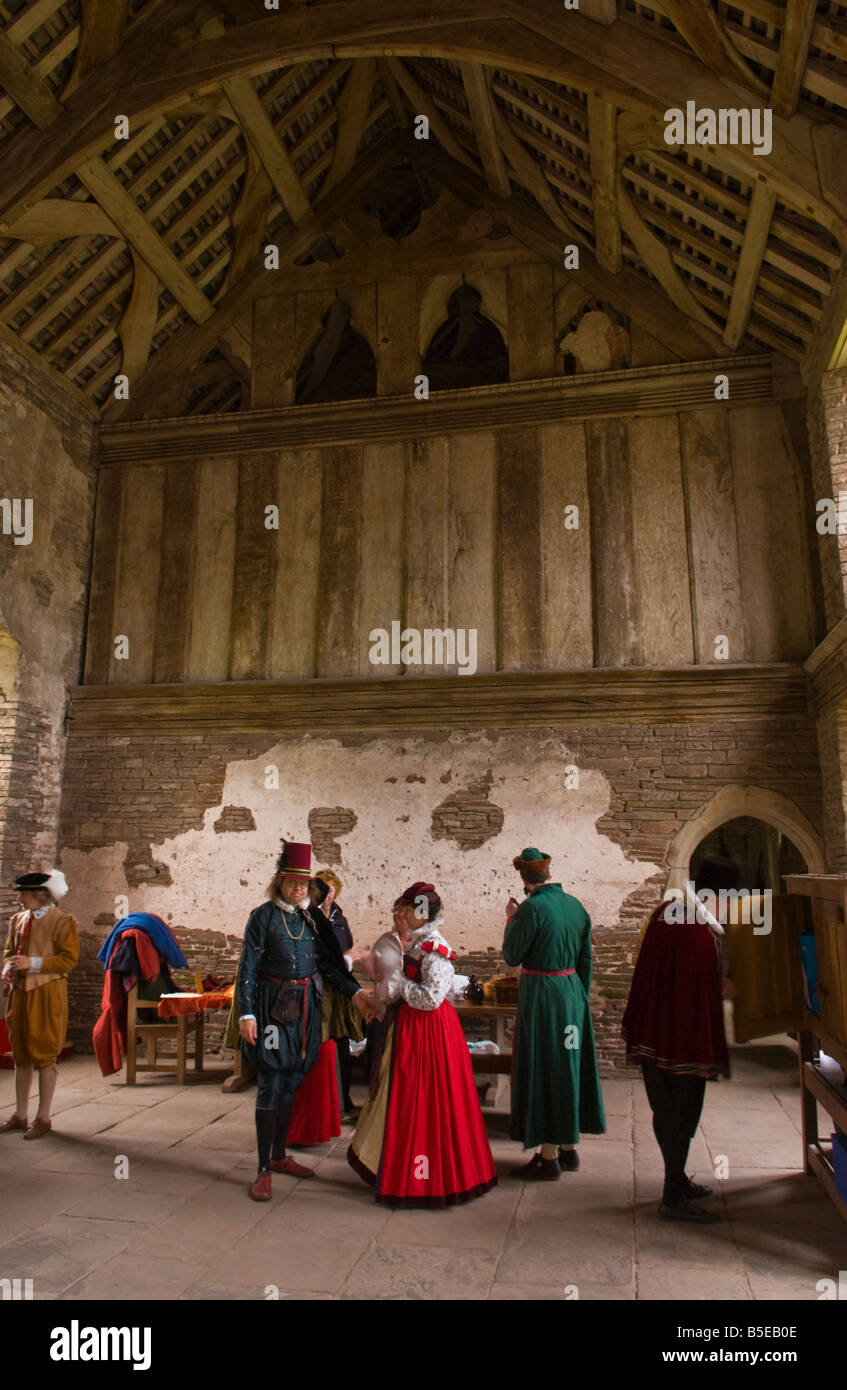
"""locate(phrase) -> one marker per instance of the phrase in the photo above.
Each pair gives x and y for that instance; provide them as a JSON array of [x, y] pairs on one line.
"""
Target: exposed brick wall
[[149, 789], [48, 442]]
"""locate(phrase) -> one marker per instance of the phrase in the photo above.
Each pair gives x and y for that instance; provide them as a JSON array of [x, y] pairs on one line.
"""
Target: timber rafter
[[245, 124]]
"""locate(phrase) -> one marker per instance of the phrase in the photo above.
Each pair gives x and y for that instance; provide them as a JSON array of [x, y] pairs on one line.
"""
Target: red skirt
[[434, 1148], [316, 1117]]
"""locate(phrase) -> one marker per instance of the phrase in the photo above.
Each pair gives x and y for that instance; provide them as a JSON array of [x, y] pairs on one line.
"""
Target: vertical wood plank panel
[[100, 633], [255, 567], [519, 549], [294, 625], [772, 545], [214, 570], [713, 546], [340, 562], [427, 535], [567, 627], [616, 614], [667, 632], [273, 368], [138, 571], [396, 346], [383, 546], [173, 613], [472, 575], [531, 327]]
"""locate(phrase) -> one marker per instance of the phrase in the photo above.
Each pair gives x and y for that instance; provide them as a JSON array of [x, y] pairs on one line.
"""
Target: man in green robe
[[555, 1084]]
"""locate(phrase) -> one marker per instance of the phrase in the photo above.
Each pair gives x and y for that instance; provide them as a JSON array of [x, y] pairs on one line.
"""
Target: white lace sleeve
[[436, 981]]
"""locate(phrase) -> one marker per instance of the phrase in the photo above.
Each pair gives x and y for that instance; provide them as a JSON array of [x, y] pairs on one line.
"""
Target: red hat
[[417, 890], [296, 858]]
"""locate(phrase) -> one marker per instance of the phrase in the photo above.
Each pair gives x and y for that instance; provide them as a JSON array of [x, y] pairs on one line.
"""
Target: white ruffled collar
[[429, 931]]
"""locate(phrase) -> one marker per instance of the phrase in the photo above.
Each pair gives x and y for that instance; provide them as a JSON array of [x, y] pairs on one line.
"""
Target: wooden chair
[[153, 1032]]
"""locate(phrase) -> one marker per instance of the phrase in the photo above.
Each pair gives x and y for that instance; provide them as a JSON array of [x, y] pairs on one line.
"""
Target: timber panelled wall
[[694, 522]]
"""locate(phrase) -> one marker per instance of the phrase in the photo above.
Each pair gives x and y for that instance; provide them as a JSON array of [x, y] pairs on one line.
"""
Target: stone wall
[[46, 455], [209, 810]]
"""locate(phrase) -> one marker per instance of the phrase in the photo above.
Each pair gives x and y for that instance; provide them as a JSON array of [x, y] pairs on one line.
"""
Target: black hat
[[53, 883]]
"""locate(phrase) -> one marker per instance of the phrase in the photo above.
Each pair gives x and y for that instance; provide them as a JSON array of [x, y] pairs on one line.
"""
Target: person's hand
[[364, 1002], [248, 1029], [20, 963], [511, 908], [728, 989]]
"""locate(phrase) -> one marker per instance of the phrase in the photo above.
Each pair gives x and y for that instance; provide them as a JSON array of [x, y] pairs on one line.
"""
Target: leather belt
[[305, 982]]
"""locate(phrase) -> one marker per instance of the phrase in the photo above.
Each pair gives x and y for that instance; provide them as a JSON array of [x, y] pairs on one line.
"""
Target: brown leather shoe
[[261, 1189], [37, 1128], [13, 1122], [292, 1167]]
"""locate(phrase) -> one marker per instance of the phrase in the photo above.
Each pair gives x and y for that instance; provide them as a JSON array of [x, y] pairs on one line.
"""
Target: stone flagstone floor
[[182, 1227]]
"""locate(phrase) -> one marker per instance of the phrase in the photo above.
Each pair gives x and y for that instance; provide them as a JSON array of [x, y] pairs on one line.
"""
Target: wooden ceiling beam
[[797, 24], [54, 219], [138, 321], [150, 72], [657, 258], [749, 263], [423, 104], [137, 231], [604, 176], [258, 129], [703, 31], [102, 33], [482, 112], [353, 105], [26, 90]]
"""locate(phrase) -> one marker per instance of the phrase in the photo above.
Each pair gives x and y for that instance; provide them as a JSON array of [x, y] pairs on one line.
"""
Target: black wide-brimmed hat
[[54, 883]]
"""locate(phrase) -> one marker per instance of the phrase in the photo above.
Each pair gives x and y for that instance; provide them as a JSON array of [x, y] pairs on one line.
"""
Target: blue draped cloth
[[158, 931]]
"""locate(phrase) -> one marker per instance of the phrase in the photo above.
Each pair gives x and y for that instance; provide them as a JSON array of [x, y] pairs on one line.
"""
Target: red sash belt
[[550, 972], [305, 981]]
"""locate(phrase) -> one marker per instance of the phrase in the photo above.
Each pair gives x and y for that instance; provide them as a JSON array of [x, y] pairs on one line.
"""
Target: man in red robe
[[673, 1026]]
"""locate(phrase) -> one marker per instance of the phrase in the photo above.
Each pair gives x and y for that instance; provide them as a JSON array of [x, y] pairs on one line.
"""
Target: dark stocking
[[265, 1128], [345, 1068], [283, 1118]]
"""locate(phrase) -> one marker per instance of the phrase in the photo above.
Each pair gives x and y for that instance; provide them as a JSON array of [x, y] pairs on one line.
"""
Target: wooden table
[[497, 1065]]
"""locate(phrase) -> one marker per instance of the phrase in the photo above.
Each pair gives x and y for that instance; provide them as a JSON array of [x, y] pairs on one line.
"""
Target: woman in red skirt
[[420, 1140], [316, 1116]]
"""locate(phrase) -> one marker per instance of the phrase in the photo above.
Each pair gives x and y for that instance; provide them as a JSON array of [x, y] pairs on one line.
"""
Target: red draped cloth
[[435, 1150], [674, 1017], [316, 1117]]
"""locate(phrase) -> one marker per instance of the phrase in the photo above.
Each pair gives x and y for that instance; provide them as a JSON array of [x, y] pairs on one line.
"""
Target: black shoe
[[687, 1211], [693, 1190], [539, 1170], [351, 1113], [568, 1160]]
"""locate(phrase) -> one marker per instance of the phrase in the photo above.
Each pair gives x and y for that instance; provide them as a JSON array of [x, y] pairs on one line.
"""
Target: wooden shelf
[[834, 1101], [820, 1163]]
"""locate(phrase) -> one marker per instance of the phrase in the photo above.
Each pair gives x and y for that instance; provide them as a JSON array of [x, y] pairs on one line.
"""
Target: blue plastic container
[[839, 1163]]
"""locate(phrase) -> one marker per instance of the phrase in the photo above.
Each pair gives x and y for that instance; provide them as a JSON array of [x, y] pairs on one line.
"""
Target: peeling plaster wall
[[46, 454], [609, 837]]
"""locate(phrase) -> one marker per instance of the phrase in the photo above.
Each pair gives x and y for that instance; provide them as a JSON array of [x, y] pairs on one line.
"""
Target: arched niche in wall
[[467, 348], [339, 365], [729, 804], [595, 339], [492, 285]]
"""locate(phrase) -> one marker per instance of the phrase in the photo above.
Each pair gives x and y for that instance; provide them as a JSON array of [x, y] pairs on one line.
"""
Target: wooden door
[[765, 967]]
